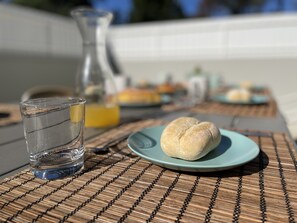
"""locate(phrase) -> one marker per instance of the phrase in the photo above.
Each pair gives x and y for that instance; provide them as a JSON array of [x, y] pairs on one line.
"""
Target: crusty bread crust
[[189, 139]]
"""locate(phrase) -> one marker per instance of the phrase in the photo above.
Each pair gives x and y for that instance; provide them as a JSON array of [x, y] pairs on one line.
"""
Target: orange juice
[[101, 116], [76, 113]]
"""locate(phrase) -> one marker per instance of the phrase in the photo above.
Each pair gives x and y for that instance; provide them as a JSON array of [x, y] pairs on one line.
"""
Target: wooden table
[[121, 187]]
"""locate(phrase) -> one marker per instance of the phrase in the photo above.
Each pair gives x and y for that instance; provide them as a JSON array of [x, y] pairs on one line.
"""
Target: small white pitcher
[[197, 89]]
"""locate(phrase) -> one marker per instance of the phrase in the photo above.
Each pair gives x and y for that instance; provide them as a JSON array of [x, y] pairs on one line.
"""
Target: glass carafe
[[95, 80]]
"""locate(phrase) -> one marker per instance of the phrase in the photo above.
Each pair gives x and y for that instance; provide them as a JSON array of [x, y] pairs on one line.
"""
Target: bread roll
[[238, 95], [134, 96], [189, 139]]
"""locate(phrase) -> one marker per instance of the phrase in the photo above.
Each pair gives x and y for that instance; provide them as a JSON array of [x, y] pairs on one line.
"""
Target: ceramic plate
[[234, 150], [255, 100]]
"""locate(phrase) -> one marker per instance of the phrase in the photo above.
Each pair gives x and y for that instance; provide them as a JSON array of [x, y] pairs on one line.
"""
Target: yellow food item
[[101, 116], [239, 95], [189, 139], [76, 113], [134, 96]]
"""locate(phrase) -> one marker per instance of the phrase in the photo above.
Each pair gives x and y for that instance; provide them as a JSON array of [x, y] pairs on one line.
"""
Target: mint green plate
[[234, 150], [255, 100]]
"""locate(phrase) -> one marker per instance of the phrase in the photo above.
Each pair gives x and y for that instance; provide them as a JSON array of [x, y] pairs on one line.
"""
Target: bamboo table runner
[[13, 112], [264, 110], [121, 187], [268, 110]]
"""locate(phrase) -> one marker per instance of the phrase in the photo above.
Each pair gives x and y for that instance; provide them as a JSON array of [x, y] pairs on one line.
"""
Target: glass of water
[[53, 129]]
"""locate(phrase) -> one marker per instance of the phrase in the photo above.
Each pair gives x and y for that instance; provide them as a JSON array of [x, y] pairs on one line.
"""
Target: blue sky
[[189, 6], [124, 6]]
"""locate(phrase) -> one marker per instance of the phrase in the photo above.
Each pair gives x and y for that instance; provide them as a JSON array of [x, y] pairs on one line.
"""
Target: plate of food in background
[[249, 86], [139, 98], [241, 96]]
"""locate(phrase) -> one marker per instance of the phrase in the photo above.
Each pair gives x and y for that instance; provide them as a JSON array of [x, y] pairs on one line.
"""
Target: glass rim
[[86, 11], [60, 102]]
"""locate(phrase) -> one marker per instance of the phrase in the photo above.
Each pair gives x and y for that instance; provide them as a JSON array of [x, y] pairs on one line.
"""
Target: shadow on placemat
[[255, 166]]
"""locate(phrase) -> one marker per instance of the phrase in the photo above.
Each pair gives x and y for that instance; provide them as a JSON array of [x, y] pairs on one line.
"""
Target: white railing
[[267, 36], [245, 37], [23, 30]]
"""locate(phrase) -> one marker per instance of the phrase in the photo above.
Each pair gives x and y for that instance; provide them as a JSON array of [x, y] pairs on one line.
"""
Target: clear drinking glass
[[53, 129], [95, 80]]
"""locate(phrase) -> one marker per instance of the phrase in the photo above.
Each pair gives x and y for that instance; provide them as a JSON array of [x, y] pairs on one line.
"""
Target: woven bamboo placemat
[[13, 111], [121, 187]]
